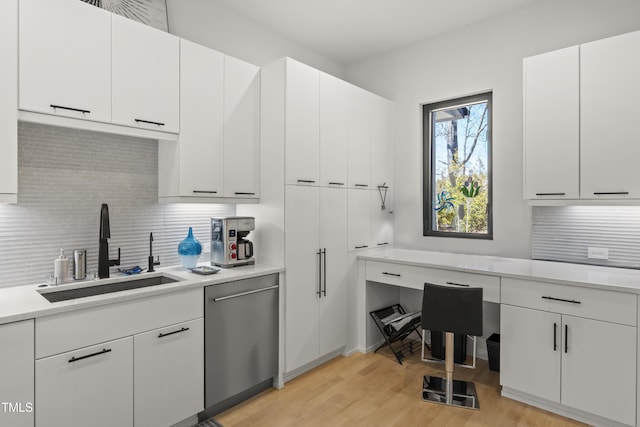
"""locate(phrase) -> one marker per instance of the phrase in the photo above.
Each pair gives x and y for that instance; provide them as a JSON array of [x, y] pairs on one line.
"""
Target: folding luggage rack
[[396, 324]]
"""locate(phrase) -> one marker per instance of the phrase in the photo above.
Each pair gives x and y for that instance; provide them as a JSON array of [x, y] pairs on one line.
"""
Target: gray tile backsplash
[[564, 234], [64, 177]]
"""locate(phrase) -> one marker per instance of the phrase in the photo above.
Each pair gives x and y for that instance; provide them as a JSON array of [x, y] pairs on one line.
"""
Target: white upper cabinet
[[551, 125], [359, 137], [145, 76], [334, 111], [577, 140], [197, 157], [609, 147], [381, 219], [218, 152], [9, 102], [65, 59], [302, 124], [358, 219], [381, 142], [241, 129]]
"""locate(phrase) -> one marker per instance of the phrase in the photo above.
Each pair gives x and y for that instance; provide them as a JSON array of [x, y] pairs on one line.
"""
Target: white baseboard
[[559, 409], [288, 376]]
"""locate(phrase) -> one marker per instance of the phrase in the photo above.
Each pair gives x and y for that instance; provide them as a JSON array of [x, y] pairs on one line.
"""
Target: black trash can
[[493, 350]]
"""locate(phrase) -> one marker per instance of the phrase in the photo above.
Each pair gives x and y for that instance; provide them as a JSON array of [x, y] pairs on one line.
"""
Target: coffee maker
[[229, 244]]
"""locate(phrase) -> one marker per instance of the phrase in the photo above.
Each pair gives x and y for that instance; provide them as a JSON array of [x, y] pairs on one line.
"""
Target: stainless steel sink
[[57, 295]]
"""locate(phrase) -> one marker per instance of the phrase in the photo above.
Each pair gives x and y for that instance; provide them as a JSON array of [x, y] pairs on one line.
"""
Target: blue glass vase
[[189, 250]]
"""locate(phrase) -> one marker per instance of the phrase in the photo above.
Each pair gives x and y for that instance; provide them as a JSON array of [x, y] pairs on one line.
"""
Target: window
[[457, 168]]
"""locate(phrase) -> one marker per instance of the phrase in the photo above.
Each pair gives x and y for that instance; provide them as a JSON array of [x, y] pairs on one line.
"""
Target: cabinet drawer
[[91, 386], [410, 276], [67, 331], [610, 306]]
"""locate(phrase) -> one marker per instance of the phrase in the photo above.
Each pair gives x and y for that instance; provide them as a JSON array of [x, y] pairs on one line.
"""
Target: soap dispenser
[[61, 268]]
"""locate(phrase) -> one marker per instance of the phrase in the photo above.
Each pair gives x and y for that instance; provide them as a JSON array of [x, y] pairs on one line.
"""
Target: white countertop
[[620, 279], [25, 302]]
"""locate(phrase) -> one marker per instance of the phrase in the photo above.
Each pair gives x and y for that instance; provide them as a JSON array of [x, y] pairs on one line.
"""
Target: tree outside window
[[457, 168]]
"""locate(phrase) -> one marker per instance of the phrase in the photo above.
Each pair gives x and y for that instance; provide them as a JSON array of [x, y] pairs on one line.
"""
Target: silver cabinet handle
[[550, 194], [390, 274], [457, 284], [204, 192], [241, 294]]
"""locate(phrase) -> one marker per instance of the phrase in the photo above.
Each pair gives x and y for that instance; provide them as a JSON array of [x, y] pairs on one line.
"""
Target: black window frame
[[428, 166]]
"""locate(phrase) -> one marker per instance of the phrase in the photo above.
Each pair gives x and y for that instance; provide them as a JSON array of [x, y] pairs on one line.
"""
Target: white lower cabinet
[[16, 374], [134, 363], [599, 356], [530, 351], [316, 277], [585, 364], [90, 386], [168, 374]]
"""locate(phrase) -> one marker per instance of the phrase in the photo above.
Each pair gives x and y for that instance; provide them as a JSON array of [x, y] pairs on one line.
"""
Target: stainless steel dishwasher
[[241, 341]]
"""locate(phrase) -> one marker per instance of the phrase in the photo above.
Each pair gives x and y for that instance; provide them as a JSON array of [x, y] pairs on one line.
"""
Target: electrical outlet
[[598, 253]]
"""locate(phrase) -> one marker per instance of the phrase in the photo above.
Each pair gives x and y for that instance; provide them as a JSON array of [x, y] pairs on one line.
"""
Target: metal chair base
[[462, 393]]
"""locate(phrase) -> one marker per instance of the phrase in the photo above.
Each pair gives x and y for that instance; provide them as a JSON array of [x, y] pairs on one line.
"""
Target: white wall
[[216, 26], [484, 56]]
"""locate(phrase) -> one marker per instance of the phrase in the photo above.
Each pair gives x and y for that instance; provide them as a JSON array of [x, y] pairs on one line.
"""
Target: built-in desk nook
[[569, 336]]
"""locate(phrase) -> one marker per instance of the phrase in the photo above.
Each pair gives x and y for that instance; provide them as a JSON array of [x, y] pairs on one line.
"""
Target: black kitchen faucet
[[103, 250]]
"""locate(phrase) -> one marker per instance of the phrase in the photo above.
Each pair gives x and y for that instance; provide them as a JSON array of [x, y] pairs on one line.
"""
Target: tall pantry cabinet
[[319, 134]]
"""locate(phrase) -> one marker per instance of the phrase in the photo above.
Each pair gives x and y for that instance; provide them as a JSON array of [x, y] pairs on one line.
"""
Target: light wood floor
[[374, 390]]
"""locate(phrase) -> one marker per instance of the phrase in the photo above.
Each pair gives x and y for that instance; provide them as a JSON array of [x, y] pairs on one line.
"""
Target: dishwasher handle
[[241, 294]]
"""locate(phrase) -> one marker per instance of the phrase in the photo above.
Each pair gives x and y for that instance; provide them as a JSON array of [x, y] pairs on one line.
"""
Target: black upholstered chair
[[453, 310]]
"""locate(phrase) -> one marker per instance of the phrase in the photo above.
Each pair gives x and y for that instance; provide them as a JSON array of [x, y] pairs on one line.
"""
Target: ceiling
[[349, 30]]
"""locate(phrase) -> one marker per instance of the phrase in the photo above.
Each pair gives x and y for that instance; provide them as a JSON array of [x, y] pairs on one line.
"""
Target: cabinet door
[[9, 101], [302, 259], [609, 92], [358, 219], [382, 142], [359, 137], [65, 59], [334, 113], [333, 241], [168, 374], [201, 104], [145, 76], [530, 349], [302, 123], [93, 384], [381, 219], [16, 371], [598, 356], [241, 128], [551, 125]]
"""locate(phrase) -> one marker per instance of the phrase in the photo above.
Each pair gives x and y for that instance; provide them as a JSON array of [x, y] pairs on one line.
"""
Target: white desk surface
[[620, 279]]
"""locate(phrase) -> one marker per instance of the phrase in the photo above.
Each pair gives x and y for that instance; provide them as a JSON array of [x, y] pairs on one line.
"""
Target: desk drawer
[[599, 304], [69, 331], [410, 276]]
